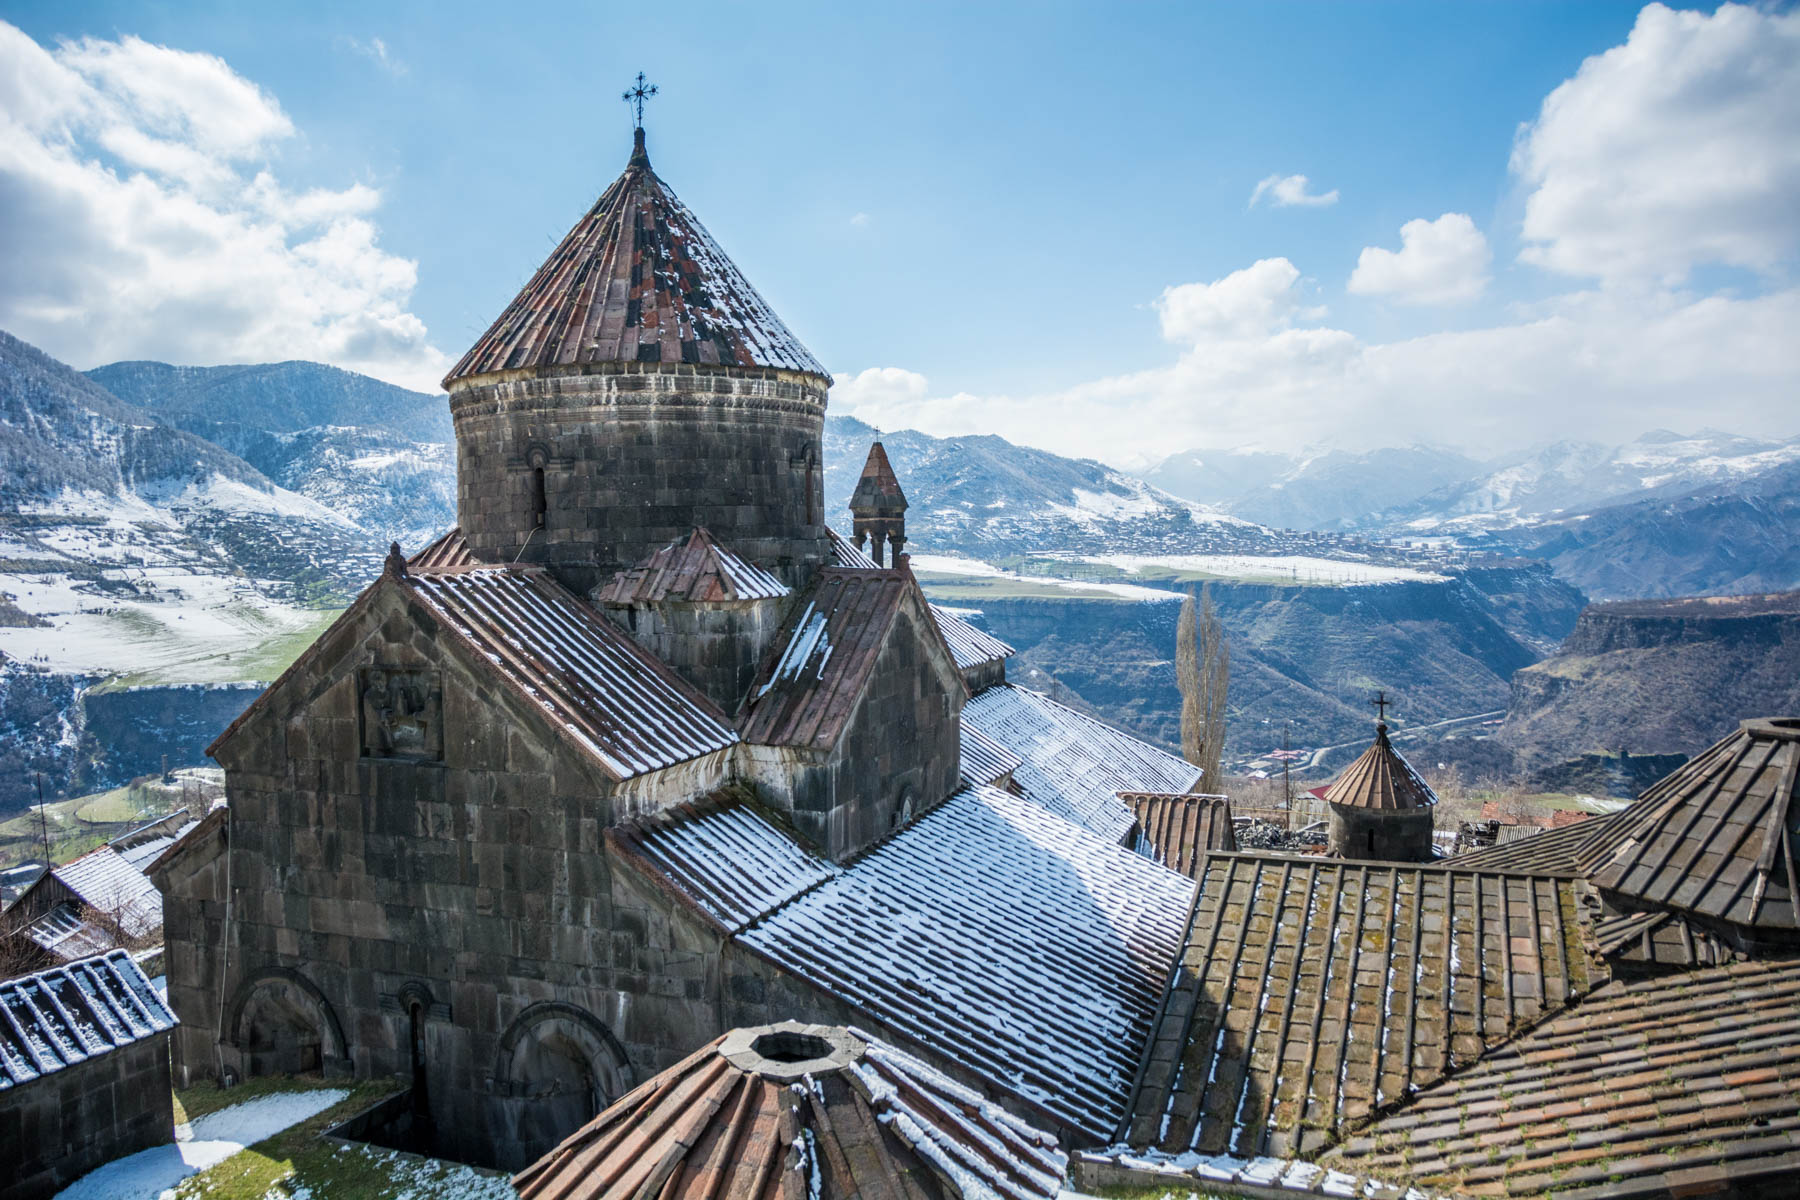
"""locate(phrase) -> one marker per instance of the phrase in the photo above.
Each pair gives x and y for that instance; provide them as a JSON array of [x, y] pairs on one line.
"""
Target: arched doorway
[[558, 1066], [282, 1024]]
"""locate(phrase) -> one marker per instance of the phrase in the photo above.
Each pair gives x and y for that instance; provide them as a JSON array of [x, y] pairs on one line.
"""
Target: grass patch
[[257, 1170]]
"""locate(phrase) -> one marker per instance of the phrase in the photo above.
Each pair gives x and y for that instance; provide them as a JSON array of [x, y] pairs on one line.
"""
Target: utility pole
[[43, 821], [1287, 786]]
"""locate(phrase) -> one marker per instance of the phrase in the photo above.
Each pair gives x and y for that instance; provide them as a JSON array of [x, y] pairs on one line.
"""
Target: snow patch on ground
[[967, 568], [150, 1174], [415, 1178]]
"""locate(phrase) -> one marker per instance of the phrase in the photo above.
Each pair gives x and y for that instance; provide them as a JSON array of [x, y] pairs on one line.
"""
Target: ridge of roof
[[697, 569], [637, 280]]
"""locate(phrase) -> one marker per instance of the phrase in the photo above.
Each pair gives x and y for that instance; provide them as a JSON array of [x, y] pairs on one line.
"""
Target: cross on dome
[[636, 95]]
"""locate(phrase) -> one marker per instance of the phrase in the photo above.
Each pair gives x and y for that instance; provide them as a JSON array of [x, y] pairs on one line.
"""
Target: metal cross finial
[[1381, 703], [636, 96]]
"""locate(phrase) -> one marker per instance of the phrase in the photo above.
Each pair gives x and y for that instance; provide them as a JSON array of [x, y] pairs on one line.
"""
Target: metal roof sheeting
[[1012, 942], [1073, 765], [971, 647], [72, 1013], [637, 280], [626, 709]]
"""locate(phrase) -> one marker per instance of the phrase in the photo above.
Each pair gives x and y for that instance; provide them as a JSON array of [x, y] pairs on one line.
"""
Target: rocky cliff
[[1657, 677]]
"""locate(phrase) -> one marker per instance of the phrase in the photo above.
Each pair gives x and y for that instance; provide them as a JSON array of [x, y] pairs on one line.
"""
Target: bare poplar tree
[[1203, 673]]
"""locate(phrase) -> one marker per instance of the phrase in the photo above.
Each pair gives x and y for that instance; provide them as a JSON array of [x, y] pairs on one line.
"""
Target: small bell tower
[[878, 510]]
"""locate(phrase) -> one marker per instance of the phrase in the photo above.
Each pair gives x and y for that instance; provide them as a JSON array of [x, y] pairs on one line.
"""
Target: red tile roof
[[698, 570], [783, 1112], [1684, 1084], [637, 280], [807, 695], [1182, 828], [1380, 778]]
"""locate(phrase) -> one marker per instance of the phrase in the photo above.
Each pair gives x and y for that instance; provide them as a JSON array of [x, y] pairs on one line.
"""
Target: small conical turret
[[878, 508]]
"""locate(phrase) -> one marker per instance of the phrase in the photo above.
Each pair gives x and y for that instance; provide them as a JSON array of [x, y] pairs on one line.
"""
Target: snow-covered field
[[1294, 567], [949, 567], [150, 1174]]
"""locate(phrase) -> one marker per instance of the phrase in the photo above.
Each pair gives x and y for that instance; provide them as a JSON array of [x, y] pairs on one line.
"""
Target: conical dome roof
[[878, 488], [797, 1111], [1717, 837], [637, 280], [1380, 778]]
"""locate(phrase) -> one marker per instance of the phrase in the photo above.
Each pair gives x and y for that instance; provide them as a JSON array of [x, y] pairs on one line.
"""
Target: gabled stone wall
[[56, 1129]]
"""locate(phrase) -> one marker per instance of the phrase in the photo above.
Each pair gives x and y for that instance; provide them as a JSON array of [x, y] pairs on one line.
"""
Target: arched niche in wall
[[282, 1024], [558, 1065]]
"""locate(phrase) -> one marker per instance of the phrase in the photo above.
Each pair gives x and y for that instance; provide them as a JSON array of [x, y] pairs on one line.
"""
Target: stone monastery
[[643, 753]]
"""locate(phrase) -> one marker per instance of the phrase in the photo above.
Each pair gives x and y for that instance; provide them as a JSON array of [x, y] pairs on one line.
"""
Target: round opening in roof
[[785, 1047]]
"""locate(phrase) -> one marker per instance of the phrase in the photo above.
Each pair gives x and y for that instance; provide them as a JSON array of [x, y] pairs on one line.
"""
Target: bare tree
[[1203, 673]]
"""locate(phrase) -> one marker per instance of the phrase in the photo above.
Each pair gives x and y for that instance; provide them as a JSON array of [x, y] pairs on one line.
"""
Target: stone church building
[[643, 751]]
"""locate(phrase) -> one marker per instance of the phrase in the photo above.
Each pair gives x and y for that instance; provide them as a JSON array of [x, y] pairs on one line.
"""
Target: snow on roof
[[984, 760], [970, 646], [697, 569], [731, 862], [1072, 764], [141, 846], [610, 696], [844, 553], [1011, 942], [72, 1013], [66, 934], [857, 1118], [110, 885], [637, 280]]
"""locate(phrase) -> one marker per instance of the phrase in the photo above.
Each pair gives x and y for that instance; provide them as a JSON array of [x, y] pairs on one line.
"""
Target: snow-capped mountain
[[1323, 490], [382, 456]]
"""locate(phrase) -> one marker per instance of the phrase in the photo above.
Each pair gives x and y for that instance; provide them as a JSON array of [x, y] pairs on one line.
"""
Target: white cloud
[[1674, 150], [860, 220], [1256, 300], [1289, 191], [1439, 262], [376, 51], [143, 220]]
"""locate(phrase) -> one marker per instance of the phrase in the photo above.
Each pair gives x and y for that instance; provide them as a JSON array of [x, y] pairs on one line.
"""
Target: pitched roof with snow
[[984, 760], [1719, 837], [1380, 778], [637, 280], [779, 1112], [109, 884], [449, 553], [627, 710], [971, 647], [698, 570], [1073, 765], [807, 695], [1312, 992], [1181, 829], [72, 1013], [1011, 942], [1684, 1084], [844, 553], [728, 860]]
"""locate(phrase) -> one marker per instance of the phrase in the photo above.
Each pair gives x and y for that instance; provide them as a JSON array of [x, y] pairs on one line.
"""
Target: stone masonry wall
[[476, 890], [58, 1128], [634, 457]]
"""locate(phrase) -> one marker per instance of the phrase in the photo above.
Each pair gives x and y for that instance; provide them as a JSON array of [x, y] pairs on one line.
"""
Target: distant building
[[1380, 808], [84, 1072]]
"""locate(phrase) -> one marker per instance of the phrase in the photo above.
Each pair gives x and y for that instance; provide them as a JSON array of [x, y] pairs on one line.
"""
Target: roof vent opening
[[784, 1046]]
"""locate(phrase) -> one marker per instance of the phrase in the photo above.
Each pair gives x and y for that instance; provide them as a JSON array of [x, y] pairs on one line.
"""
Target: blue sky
[[977, 214]]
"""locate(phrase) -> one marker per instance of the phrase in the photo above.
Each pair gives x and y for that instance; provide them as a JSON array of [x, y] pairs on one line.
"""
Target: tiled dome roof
[[1380, 778], [794, 1110], [637, 280]]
